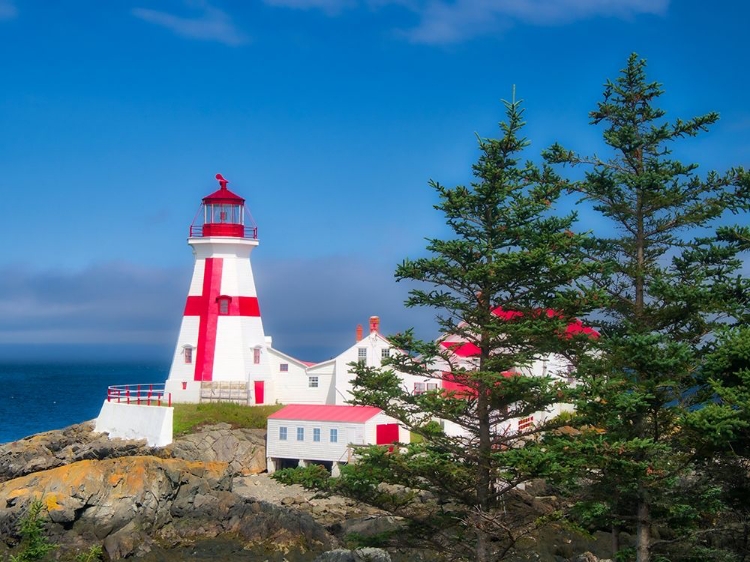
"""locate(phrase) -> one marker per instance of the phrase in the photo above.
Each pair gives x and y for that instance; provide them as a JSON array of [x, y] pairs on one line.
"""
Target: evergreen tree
[[722, 428], [502, 288], [671, 281]]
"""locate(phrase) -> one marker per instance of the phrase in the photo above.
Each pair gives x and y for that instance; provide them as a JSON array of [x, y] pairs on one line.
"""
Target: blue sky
[[329, 116]]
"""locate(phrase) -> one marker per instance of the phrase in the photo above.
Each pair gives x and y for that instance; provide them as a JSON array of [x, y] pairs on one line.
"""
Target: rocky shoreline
[[206, 495]]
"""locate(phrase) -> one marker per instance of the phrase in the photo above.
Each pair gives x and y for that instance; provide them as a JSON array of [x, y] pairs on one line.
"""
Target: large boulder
[[52, 449], [125, 503], [244, 450]]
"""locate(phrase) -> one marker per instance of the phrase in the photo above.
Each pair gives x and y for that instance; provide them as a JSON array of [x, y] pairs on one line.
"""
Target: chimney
[[374, 324], [359, 332]]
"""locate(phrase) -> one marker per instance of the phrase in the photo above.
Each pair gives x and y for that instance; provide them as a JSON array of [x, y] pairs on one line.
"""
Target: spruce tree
[[721, 428], [502, 284], [671, 281]]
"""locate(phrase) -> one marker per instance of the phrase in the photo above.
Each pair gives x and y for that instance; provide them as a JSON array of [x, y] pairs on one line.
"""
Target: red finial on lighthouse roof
[[222, 182]]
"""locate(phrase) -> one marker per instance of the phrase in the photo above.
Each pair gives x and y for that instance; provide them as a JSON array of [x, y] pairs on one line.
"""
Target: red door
[[260, 387], [386, 433]]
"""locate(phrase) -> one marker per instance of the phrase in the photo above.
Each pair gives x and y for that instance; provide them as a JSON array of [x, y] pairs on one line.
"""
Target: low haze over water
[[39, 397]]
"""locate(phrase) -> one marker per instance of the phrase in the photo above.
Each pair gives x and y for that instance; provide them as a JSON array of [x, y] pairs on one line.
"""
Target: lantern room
[[223, 213]]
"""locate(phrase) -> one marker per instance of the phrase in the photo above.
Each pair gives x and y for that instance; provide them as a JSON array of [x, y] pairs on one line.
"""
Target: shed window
[[282, 433], [300, 434], [316, 434], [284, 367], [334, 438], [361, 355], [312, 382]]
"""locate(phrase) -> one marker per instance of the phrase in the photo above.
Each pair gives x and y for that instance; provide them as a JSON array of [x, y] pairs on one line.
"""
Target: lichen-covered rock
[[104, 496], [125, 503], [244, 450], [52, 449]]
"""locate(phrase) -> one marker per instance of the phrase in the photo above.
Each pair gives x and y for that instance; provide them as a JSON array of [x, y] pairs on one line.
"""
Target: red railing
[[139, 394], [196, 231]]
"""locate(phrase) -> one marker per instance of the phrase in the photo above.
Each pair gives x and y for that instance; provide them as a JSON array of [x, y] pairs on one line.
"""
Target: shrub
[[311, 477], [34, 543]]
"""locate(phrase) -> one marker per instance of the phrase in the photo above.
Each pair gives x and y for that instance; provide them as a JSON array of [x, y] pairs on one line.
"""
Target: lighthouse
[[221, 349]]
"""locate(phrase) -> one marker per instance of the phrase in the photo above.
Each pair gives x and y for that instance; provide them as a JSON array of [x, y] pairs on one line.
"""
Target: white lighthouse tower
[[222, 349]]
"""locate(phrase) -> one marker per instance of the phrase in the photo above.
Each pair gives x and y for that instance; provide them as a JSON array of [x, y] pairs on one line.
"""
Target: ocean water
[[36, 397]]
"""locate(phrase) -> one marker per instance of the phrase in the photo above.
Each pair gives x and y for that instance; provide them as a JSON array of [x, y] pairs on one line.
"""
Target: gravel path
[[264, 488]]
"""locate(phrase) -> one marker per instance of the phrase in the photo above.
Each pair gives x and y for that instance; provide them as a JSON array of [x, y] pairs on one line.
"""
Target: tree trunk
[[615, 540], [643, 532], [483, 475]]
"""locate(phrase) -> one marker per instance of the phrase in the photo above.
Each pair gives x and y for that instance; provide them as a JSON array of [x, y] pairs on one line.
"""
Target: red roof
[[468, 349], [314, 412], [223, 195]]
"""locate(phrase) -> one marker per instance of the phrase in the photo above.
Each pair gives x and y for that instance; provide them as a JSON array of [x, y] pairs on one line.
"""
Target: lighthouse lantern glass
[[224, 214]]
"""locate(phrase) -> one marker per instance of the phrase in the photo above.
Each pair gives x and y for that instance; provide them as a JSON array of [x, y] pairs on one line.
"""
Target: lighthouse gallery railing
[[196, 231]]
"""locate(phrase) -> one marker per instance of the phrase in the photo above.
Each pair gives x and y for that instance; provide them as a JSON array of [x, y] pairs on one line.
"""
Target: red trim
[[223, 229]]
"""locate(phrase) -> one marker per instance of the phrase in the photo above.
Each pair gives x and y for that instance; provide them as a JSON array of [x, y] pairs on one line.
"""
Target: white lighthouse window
[[188, 353], [256, 355], [312, 382]]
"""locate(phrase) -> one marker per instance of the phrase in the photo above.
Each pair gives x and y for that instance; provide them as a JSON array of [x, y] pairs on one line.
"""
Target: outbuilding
[[301, 434]]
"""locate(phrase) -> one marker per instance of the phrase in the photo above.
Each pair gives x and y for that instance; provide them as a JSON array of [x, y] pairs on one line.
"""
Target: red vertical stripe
[[209, 316]]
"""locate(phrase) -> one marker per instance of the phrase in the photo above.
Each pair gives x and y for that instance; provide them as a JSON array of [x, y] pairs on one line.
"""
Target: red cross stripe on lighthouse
[[208, 307]]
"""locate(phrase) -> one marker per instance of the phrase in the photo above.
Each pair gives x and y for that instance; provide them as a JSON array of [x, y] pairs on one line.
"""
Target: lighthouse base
[[133, 421]]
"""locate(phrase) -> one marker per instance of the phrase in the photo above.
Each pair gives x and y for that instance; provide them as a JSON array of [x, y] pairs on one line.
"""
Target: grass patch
[[189, 417]]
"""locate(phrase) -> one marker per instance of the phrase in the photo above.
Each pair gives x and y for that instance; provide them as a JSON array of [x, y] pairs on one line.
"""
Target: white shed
[[299, 434]]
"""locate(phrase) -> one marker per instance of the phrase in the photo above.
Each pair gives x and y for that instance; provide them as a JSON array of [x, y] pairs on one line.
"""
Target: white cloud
[[212, 24], [331, 7], [452, 21], [8, 10]]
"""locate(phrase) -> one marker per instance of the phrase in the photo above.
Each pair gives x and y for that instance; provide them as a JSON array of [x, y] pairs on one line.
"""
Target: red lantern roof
[[223, 195]]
